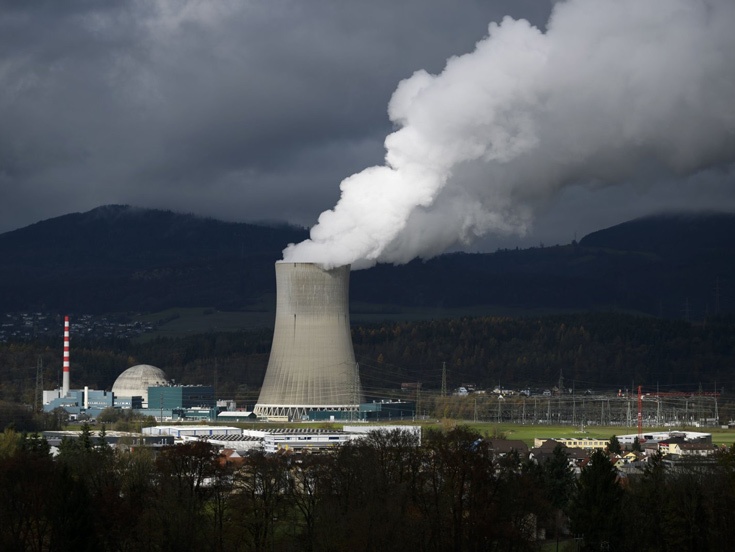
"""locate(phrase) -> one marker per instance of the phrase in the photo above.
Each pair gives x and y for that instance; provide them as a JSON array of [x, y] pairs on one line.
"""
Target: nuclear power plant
[[311, 375], [312, 366]]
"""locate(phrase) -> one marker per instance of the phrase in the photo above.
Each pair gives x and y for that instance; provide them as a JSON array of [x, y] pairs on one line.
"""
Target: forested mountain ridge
[[124, 259], [670, 236], [120, 258], [674, 266]]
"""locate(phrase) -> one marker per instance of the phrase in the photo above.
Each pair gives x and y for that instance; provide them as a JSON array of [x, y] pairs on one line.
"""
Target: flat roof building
[[173, 397]]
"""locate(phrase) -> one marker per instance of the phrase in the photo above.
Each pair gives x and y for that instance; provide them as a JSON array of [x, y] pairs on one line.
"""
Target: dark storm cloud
[[251, 110], [242, 110], [612, 93]]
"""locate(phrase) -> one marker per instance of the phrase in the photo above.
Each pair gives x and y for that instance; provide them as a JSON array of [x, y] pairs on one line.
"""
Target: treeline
[[591, 350], [382, 493], [599, 350]]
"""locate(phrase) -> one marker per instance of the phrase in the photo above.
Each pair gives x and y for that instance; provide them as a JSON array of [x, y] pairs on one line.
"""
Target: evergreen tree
[[35, 444], [596, 509], [559, 478], [559, 484]]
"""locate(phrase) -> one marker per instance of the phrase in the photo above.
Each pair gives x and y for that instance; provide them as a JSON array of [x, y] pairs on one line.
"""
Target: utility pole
[[561, 382], [524, 410]]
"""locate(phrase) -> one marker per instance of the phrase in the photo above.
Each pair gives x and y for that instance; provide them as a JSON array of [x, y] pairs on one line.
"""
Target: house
[[692, 449], [617, 461], [632, 456], [230, 457], [666, 446], [503, 447], [575, 442], [545, 451]]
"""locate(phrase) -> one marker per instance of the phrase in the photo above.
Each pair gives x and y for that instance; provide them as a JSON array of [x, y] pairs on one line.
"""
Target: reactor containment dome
[[135, 381], [312, 363]]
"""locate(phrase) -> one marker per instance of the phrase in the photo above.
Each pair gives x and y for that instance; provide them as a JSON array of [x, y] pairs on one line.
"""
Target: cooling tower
[[312, 364]]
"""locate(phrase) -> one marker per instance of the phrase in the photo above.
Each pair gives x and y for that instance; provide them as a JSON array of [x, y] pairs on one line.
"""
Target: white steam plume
[[614, 89]]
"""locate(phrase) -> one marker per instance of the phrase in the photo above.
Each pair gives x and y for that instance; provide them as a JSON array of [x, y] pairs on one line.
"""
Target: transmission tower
[[418, 400], [444, 379], [39, 385], [355, 391]]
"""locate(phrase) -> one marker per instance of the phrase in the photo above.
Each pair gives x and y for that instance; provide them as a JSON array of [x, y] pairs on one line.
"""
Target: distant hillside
[[671, 236], [675, 266], [119, 258]]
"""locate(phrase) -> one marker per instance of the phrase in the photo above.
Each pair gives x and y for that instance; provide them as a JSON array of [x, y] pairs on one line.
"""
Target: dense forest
[[603, 351], [595, 350], [383, 493]]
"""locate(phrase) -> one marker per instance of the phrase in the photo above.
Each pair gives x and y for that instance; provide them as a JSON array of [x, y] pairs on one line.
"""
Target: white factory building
[[274, 439]]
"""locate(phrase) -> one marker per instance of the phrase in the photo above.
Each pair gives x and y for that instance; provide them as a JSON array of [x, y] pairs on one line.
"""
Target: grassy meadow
[[526, 433]]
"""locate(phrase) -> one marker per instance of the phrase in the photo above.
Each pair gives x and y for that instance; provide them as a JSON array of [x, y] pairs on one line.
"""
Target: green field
[[525, 433]]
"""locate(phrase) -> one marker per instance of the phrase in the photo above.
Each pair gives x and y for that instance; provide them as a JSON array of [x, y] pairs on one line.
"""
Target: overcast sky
[[257, 110]]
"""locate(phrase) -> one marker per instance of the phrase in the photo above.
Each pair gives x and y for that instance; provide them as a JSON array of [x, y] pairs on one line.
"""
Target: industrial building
[[169, 397], [311, 368], [117, 439], [276, 439], [78, 401]]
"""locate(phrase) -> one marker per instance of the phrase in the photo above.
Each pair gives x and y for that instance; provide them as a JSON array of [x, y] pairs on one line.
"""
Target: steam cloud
[[613, 91]]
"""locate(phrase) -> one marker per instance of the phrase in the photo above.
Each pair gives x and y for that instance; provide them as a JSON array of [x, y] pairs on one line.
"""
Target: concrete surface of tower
[[312, 363]]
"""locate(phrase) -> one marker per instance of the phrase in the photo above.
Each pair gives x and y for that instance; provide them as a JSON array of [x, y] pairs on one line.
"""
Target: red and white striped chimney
[[65, 375]]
